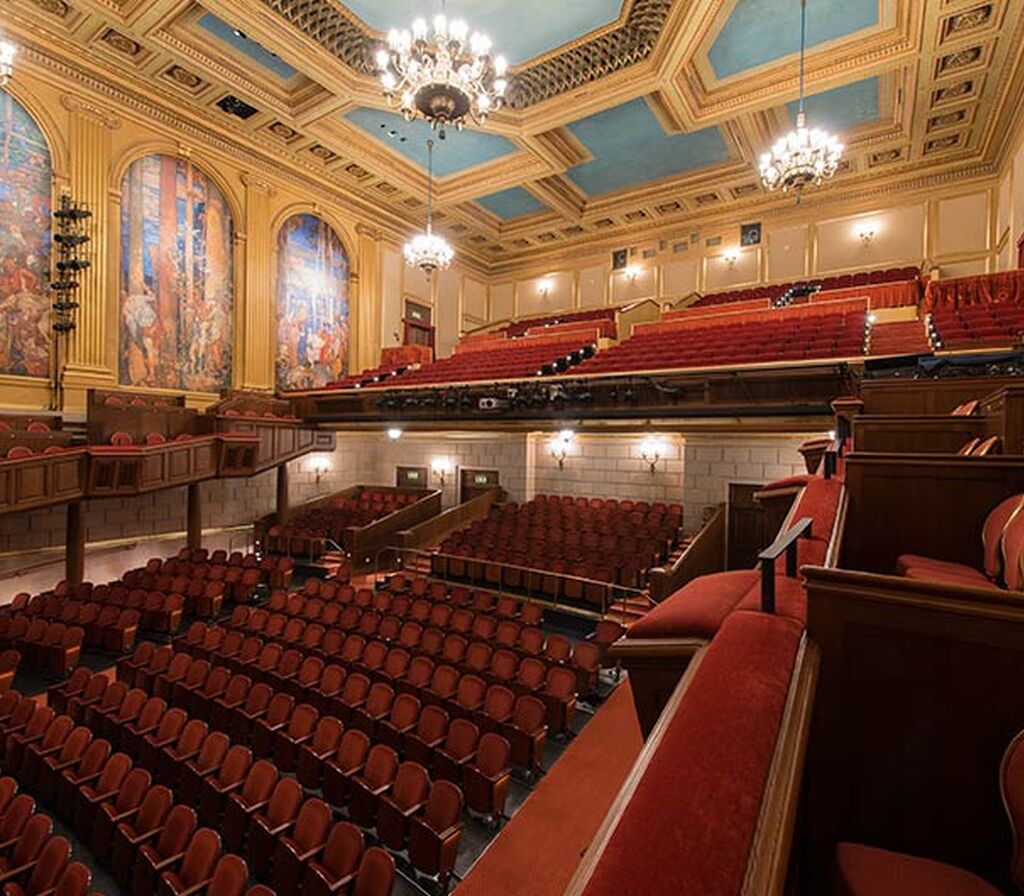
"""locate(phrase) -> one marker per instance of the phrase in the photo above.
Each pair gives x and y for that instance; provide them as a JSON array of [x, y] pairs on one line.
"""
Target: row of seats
[[976, 326], [53, 647], [238, 572], [529, 357], [36, 426], [137, 609], [113, 805], [369, 377], [457, 673], [596, 315], [34, 861], [305, 532], [842, 281], [1002, 537], [784, 337], [327, 752], [980, 447]]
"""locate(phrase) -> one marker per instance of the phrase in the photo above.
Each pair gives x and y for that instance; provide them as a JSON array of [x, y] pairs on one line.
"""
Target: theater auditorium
[[512, 448]]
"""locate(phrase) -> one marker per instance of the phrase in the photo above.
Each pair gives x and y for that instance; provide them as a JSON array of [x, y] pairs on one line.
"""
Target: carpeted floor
[[540, 849]]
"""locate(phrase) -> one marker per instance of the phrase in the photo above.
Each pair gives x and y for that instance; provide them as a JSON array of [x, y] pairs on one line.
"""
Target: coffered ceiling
[[622, 116]]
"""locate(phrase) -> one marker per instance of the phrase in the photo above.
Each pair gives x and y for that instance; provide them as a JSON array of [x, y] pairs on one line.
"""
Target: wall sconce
[[631, 272], [866, 233], [394, 433], [320, 466], [441, 467], [731, 256], [544, 287], [651, 451], [559, 446]]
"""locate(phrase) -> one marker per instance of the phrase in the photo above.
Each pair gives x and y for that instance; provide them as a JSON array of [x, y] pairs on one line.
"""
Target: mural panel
[[312, 304], [176, 277], [25, 179]]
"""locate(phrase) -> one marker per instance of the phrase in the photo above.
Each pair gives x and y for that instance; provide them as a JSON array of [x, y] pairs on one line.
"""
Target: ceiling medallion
[[428, 251], [444, 78], [804, 156], [7, 54]]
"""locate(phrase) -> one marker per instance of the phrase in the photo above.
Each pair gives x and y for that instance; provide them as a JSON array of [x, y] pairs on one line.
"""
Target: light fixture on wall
[[866, 234], [428, 251], [320, 466], [730, 257], [652, 449], [394, 433], [544, 287], [7, 53], [559, 446], [806, 155], [441, 468], [632, 272], [442, 78]]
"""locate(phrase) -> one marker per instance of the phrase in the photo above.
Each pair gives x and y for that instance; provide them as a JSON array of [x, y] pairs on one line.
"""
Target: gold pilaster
[[89, 363], [365, 311], [256, 342]]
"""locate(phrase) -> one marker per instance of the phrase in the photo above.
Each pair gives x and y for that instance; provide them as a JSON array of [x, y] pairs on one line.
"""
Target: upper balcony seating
[[1002, 537], [978, 326], [842, 281], [604, 540], [780, 337], [370, 377], [504, 359], [597, 315], [903, 337]]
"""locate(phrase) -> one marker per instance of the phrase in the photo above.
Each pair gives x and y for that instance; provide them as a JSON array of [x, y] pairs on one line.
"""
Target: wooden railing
[[363, 542], [434, 530], [705, 554]]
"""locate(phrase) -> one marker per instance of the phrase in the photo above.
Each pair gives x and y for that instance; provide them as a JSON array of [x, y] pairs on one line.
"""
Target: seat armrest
[[79, 782], [170, 860], [13, 873], [142, 838], [51, 752], [280, 829], [191, 891]]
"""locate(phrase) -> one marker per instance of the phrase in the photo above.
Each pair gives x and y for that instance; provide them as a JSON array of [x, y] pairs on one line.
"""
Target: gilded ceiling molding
[[89, 110], [336, 30]]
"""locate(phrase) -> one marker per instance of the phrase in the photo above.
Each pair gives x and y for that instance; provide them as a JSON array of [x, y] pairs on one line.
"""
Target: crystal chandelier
[[7, 51], [442, 78], [806, 155], [428, 251]]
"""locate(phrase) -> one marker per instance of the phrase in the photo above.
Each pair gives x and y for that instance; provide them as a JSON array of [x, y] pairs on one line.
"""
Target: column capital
[[90, 111], [257, 184], [366, 230]]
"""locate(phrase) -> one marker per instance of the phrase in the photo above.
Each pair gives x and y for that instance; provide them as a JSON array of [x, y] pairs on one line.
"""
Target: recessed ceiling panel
[[520, 29], [630, 147], [457, 152], [513, 203], [841, 108], [239, 41], [761, 31]]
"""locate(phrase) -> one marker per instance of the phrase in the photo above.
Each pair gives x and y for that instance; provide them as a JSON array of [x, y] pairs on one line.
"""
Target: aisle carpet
[[540, 848]]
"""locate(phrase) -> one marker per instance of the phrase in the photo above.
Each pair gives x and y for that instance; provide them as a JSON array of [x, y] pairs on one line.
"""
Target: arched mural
[[25, 183], [312, 304], [176, 277]]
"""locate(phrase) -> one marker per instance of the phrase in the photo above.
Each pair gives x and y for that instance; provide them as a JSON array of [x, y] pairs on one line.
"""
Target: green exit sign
[[481, 479], [412, 475]]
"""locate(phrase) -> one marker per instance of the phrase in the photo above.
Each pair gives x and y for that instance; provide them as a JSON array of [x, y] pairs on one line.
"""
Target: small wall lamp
[[651, 451], [559, 446], [394, 433], [440, 467], [866, 233], [631, 272], [544, 287], [731, 256], [320, 466]]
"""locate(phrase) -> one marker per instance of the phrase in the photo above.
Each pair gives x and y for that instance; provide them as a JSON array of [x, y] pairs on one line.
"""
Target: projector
[[492, 404]]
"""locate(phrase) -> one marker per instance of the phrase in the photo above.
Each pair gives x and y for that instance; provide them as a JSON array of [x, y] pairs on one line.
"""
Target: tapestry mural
[[24, 243], [312, 304], [176, 277]]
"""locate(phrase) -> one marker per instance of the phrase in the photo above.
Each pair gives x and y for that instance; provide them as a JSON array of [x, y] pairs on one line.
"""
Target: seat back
[[432, 723], [992, 533], [258, 699], [444, 805], [376, 875], [156, 805], [201, 856], [114, 773], [344, 847], [192, 736], [560, 683], [236, 765], [16, 816], [312, 824], [461, 739], [280, 708], [212, 752], [1013, 551], [259, 783], [404, 711], [74, 880], [94, 758], [493, 754], [352, 750], [381, 766], [302, 721], [327, 735], [135, 787], [152, 713], [284, 802], [53, 857], [31, 841], [39, 722], [411, 785], [177, 831], [57, 732], [229, 877], [529, 714]]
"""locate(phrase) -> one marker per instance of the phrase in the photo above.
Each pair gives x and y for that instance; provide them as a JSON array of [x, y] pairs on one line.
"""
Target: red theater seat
[[336, 868], [295, 849], [867, 871]]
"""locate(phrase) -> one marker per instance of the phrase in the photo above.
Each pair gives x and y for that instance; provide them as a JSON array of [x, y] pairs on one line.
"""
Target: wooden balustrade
[[703, 555]]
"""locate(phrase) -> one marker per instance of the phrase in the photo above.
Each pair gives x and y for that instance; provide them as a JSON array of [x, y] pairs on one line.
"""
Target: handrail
[[786, 541], [832, 455], [704, 554], [433, 530], [606, 587]]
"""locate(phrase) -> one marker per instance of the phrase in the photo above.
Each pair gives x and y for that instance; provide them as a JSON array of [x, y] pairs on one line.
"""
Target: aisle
[[537, 853]]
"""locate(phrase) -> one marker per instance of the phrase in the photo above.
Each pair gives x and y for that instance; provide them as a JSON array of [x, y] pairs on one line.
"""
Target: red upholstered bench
[[699, 799], [1002, 537]]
